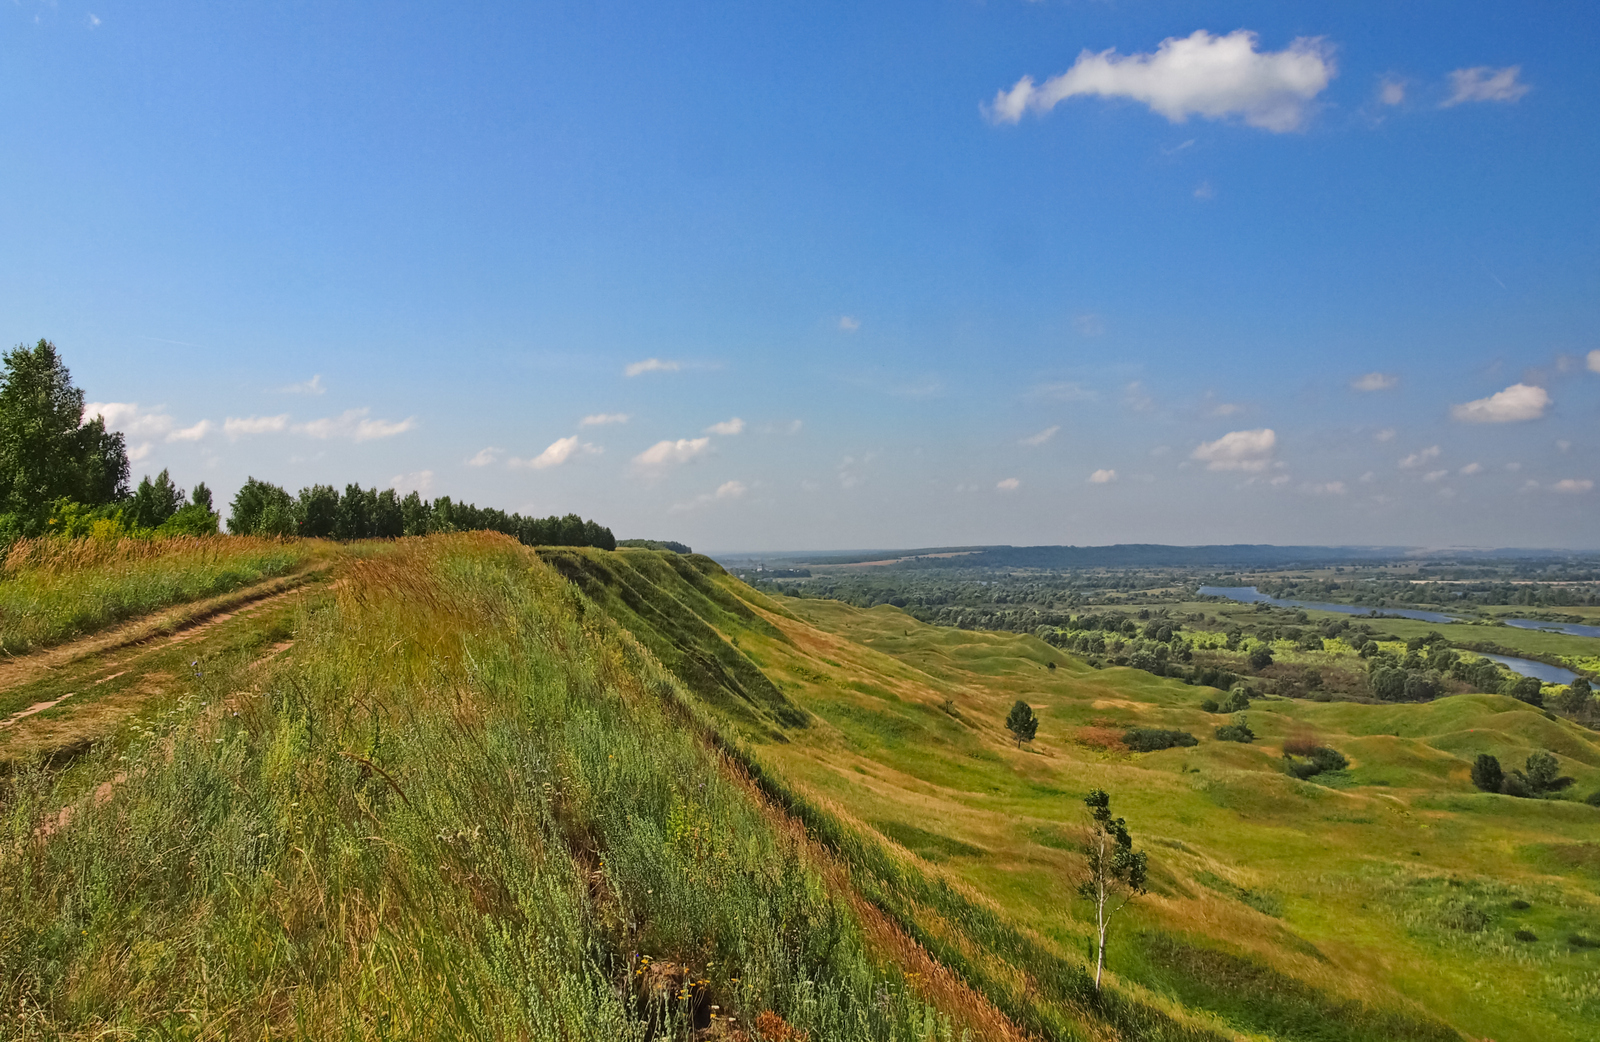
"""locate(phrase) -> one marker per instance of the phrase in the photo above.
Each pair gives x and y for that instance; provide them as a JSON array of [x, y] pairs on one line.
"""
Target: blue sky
[[1321, 273]]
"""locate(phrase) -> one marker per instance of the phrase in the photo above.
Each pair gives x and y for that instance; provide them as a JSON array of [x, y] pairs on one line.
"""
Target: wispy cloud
[[484, 457], [1238, 450], [239, 426], [1470, 469], [601, 419], [1008, 484], [419, 481], [1135, 397], [1391, 91], [848, 324], [1387, 434], [1040, 438], [728, 490], [130, 419], [194, 433], [1214, 77], [1063, 392], [1516, 403], [1103, 477], [557, 453], [354, 424], [1483, 83], [1090, 324], [651, 365], [1435, 475], [1418, 458], [311, 386], [1375, 382], [1573, 485], [1204, 191], [726, 427], [664, 454], [1326, 488], [1594, 361]]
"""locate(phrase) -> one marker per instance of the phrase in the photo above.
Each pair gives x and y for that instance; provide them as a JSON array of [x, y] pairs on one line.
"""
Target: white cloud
[[1281, 479], [1482, 83], [128, 418], [652, 365], [557, 453], [94, 21], [1204, 191], [1225, 409], [1387, 434], [353, 424], [667, 453], [1417, 459], [311, 386], [601, 419], [1368, 478], [1435, 475], [726, 427], [1470, 469], [1103, 477], [235, 426], [1513, 467], [1238, 450], [1040, 438], [1392, 91], [1199, 75], [848, 324], [1515, 403], [1375, 382], [419, 481], [1573, 485], [1008, 484], [484, 457], [1594, 361], [1090, 324], [1327, 488], [730, 490], [139, 452], [1563, 444], [195, 433]]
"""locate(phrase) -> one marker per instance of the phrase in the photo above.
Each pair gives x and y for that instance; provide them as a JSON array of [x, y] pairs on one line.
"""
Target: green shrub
[[1238, 731], [1486, 773], [1211, 705], [1525, 935], [1154, 739]]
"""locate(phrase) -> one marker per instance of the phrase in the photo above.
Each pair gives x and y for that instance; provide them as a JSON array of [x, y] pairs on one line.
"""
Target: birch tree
[[1116, 871]]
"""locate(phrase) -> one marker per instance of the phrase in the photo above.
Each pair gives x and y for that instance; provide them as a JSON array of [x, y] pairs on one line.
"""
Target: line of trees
[[321, 512]]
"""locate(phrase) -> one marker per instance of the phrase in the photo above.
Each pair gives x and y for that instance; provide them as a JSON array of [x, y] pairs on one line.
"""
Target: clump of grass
[[462, 808], [54, 588]]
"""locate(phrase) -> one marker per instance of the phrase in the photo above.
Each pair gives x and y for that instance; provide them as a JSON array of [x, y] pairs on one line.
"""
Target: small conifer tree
[[1021, 722]]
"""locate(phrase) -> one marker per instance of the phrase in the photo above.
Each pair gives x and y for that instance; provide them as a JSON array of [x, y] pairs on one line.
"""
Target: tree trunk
[[1100, 954]]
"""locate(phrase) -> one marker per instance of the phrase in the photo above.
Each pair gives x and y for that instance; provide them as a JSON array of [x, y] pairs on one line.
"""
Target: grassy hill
[[456, 788]]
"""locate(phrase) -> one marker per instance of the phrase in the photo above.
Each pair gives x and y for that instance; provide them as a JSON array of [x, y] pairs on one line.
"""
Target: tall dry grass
[[53, 589], [460, 807]]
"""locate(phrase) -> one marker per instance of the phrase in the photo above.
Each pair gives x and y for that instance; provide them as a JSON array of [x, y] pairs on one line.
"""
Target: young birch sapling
[[1117, 872]]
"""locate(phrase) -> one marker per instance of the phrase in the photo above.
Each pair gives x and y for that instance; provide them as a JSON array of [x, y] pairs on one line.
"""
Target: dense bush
[[1154, 739], [680, 548], [1238, 731], [1303, 758], [1486, 773]]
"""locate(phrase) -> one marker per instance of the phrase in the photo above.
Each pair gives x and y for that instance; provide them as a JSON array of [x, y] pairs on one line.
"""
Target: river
[[1530, 668], [1251, 595]]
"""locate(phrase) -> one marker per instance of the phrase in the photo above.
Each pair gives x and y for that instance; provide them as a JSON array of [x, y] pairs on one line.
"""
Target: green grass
[[463, 805], [1317, 900], [54, 589]]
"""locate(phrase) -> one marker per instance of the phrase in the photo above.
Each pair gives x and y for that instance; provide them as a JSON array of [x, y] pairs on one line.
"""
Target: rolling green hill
[[458, 788]]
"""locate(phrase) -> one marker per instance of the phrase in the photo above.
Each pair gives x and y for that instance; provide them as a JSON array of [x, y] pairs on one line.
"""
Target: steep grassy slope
[[462, 804], [1382, 903]]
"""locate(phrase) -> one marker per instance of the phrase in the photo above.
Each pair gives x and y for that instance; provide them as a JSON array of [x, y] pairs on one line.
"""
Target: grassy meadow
[[468, 789], [53, 589], [461, 804], [1383, 902]]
